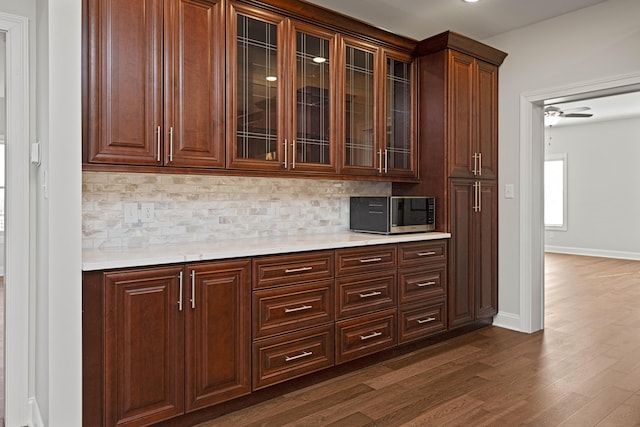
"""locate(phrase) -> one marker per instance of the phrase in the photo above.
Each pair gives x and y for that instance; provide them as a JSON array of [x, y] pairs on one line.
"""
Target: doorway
[[532, 182]]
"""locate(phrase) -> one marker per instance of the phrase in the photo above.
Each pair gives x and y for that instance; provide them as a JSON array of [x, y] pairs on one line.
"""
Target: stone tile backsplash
[[200, 208]]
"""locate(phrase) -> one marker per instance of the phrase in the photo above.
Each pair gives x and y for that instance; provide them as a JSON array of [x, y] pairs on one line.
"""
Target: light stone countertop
[[104, 259]]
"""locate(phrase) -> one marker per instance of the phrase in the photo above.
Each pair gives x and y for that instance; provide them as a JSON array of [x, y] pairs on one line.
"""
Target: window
[[555, 192]]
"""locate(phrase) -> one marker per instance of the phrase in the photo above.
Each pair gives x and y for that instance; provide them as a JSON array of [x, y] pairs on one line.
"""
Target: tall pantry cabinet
[[458, 152]]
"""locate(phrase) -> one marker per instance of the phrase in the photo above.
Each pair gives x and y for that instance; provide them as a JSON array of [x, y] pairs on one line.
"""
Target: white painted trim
[[17, 222], [507, 320], [35, 418], [531, 178], [602, 253]]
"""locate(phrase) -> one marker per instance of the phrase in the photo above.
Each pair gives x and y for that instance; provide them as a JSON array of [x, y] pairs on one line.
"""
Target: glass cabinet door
[[255, 92], [360, 92], [313, 101], [399, 153]]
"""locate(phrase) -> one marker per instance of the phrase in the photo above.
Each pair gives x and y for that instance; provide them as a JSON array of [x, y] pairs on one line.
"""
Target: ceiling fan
[[553, 114]]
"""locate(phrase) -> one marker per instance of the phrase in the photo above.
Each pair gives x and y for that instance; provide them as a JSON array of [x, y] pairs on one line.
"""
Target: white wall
[[603, 205], [591, 44]]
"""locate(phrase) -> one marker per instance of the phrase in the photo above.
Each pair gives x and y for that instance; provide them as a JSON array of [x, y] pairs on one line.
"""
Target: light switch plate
[[508, 191]]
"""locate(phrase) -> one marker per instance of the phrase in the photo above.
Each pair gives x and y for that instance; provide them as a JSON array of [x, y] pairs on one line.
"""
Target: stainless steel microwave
[[392, 215]]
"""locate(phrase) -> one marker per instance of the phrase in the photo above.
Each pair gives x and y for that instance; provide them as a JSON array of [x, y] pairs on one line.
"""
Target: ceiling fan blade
[[577, 109], [577, 115]]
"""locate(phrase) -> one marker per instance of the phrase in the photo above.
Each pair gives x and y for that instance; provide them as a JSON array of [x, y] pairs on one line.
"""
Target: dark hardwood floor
[[582, 370]]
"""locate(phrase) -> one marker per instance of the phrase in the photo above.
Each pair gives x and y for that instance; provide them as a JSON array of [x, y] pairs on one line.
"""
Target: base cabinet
[[473, 272], [175, 339]]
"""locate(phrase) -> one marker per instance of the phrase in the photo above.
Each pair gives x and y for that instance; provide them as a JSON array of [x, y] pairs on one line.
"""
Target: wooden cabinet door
[[256, 89], [312, 100], [399, 108], [486, 106], [361, 152], [460, 110], [194, 83], [462, 271], [144, 346], [124, 81], [487, 251], [218, 332]]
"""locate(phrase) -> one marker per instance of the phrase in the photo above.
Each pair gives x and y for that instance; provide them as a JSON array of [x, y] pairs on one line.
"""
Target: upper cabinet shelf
[[275, 88]]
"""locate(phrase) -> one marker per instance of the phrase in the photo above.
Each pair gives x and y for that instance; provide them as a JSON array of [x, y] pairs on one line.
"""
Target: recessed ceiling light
[[271, 78], [319, 59], [470, 1]]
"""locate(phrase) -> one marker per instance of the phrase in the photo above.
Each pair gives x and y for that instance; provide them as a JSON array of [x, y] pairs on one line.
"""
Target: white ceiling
[[613, 107], [420, 19]]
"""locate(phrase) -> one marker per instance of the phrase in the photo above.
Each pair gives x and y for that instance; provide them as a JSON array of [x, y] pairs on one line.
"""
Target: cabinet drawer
[[365, 259], [421, 321], [359, 336], [292, 355], [419, 253], [288, 308], [290, 269], [419, 284], [364, 293]]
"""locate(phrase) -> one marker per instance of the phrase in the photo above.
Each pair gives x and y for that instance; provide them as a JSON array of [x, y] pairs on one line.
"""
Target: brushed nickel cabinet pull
[[479, 196], [480, 164], [475, 164], [180, 292], [380, 161], [298, 356], [422, 285], [386, 161], [364, 261], [297, 270], [370, 294], [285, 153], [193, 289], [301, 308], [293, 154], [427, 320], [368, 337], [171, 144], [158, 143], [426, 253]]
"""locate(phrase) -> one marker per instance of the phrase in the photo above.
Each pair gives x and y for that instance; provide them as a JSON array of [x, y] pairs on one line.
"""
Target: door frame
[[17, 230], [532, 184]]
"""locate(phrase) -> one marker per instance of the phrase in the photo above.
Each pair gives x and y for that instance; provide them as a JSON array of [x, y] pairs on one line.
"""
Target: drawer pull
[[370, 294], [422, 285], [368, 337], [298, 356], [427, 320], [292, 310], [298, 270], [364, 261], [426, 253]]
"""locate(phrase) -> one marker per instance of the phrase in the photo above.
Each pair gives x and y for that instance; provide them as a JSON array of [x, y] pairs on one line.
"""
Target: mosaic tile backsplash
[[200, 208]]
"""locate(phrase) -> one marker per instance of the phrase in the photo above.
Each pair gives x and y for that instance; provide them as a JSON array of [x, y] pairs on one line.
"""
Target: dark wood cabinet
[[175, 339], [473, 109], [153, 97], [218, 332], [458, 93], [144, 346], [473, 280]]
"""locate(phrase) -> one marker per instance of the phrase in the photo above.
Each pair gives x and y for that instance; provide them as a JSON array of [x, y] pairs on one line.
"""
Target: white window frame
[[565, 196]]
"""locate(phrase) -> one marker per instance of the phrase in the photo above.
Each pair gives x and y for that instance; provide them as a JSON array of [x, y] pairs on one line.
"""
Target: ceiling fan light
[[551, 119], [470, 1]]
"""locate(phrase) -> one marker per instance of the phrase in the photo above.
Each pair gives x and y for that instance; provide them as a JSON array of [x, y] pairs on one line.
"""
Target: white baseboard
[[507, 321], [593, 252], [35, 415]]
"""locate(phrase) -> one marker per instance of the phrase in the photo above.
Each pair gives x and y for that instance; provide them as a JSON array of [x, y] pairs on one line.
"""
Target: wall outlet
[[130, 213], [147, 212]]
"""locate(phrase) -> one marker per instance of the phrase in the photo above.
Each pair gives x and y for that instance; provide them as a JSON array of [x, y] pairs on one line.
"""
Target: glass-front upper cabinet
[[399, 153], [255, 89], [312, 100], [359, 133]]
